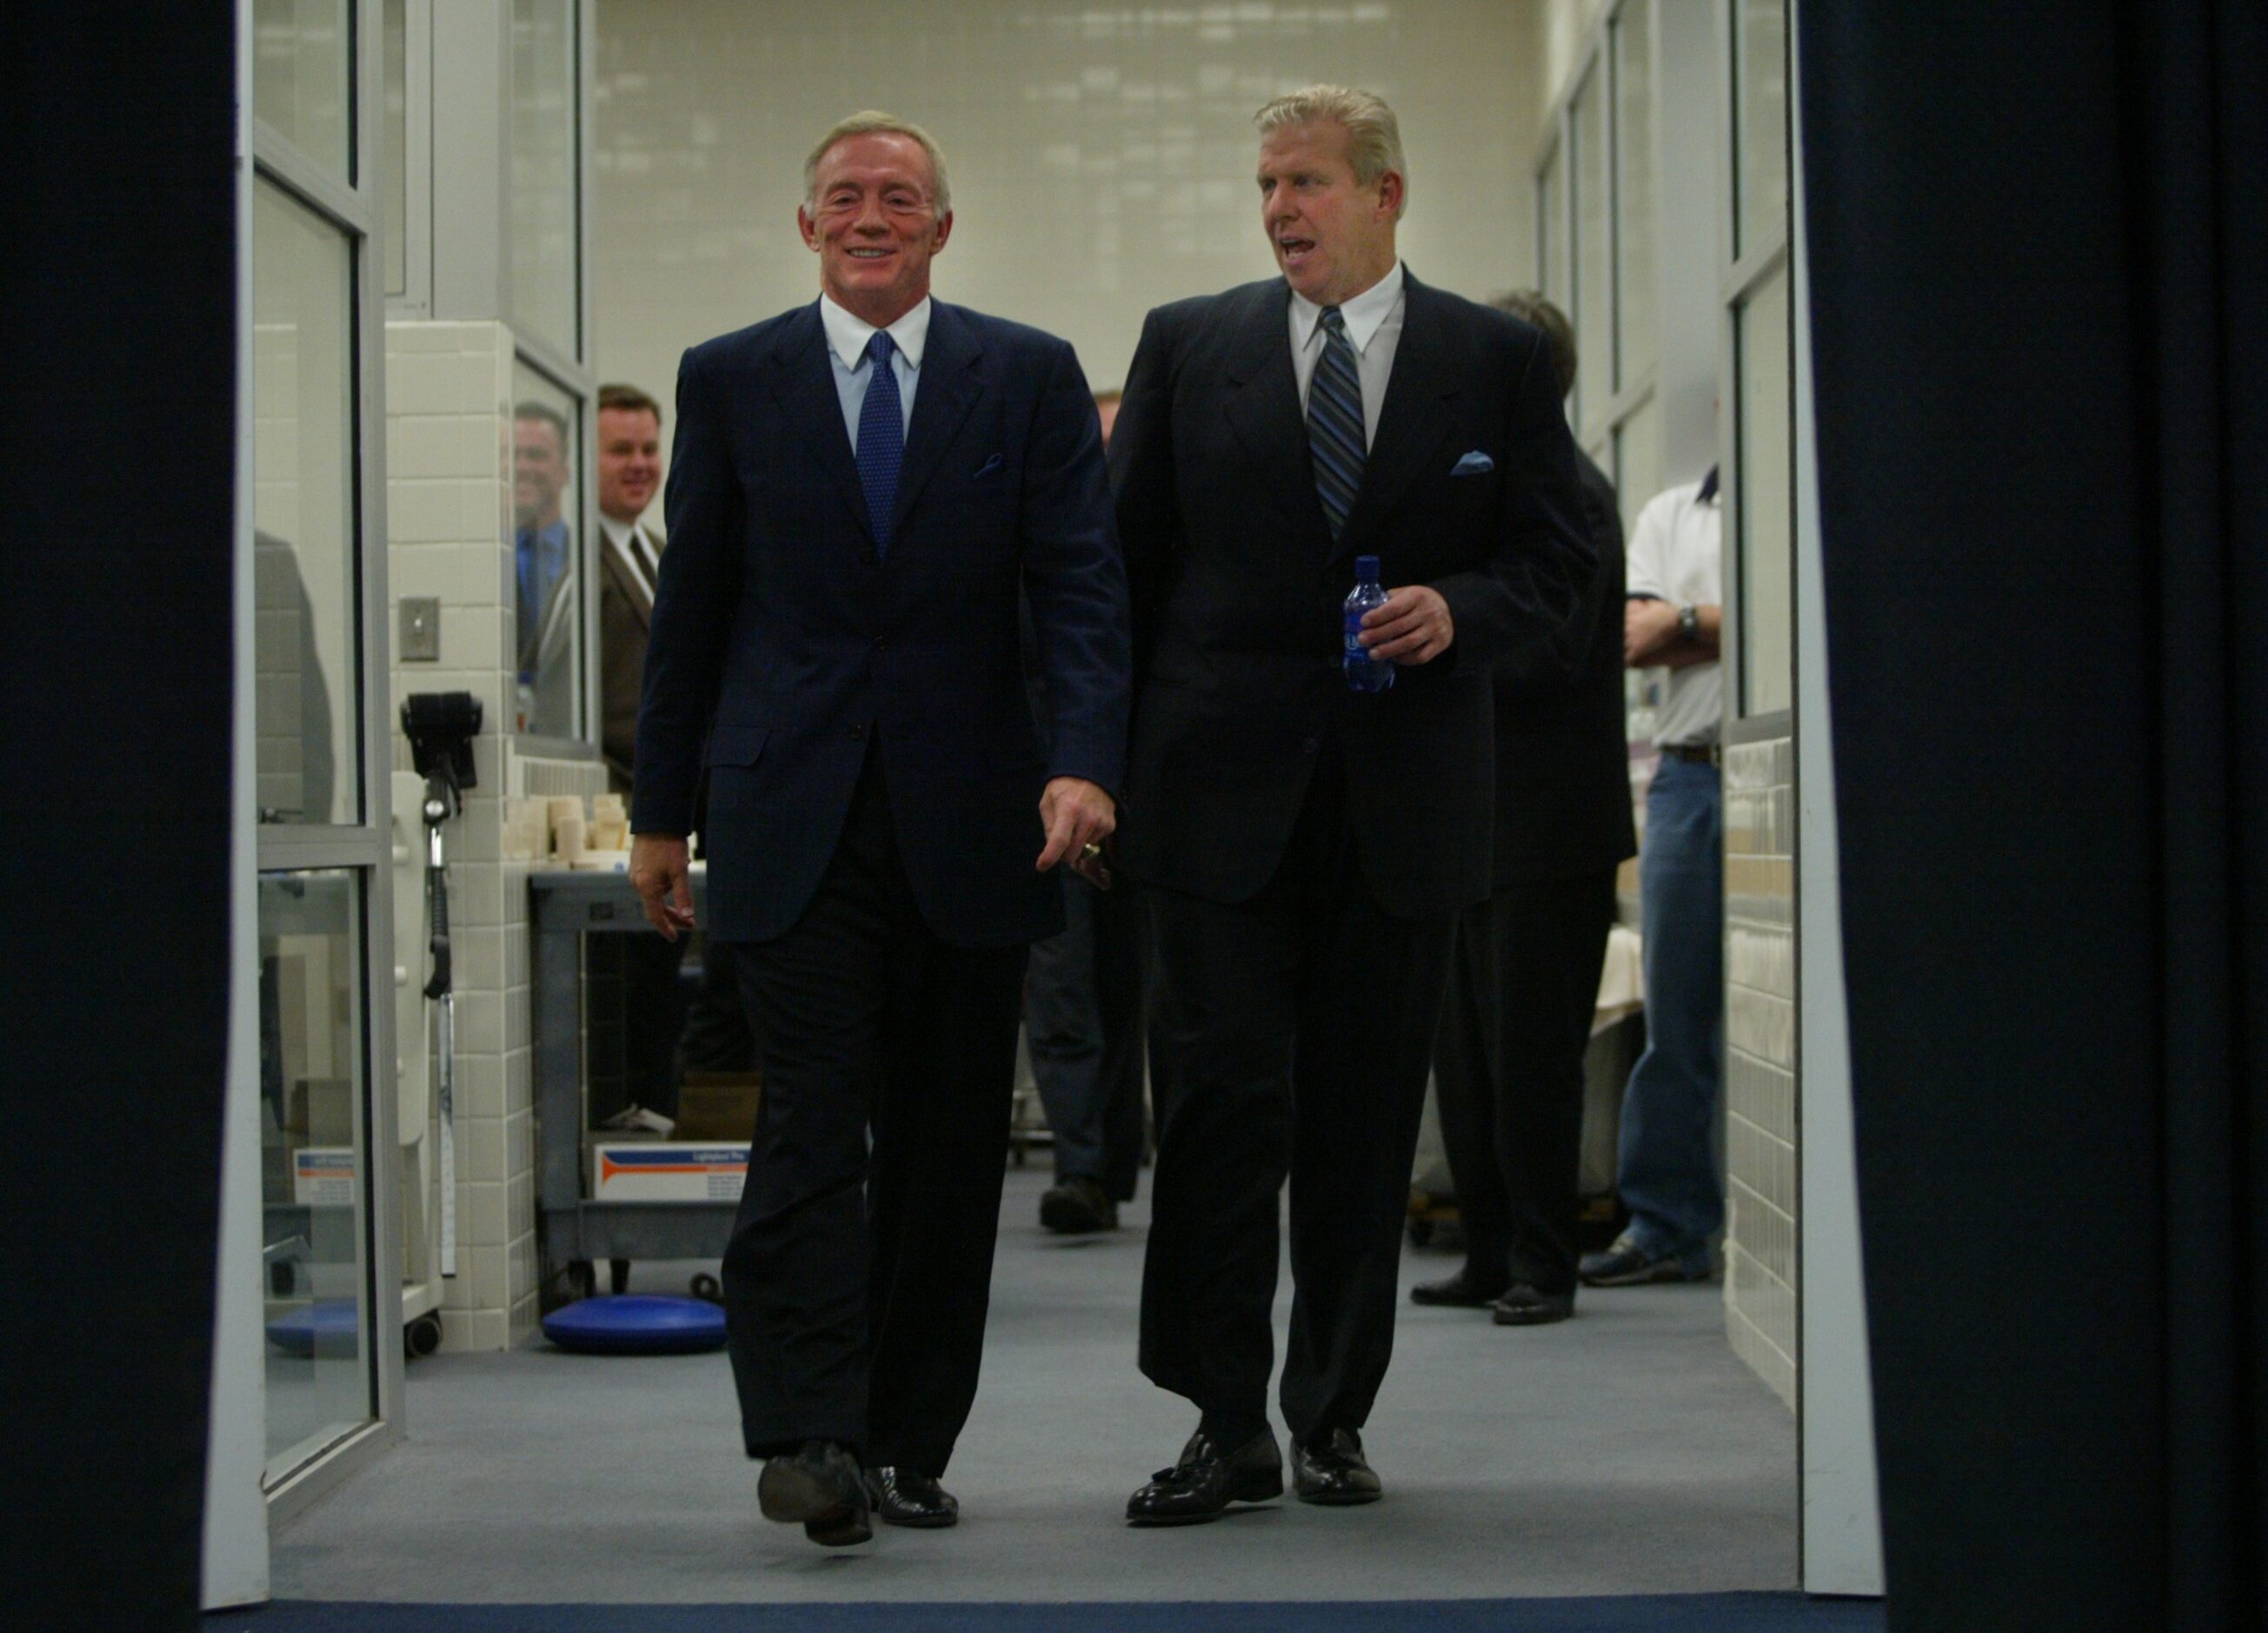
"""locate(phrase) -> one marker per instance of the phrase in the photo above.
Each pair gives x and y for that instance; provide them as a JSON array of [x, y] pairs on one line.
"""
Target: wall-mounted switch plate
[[421, 630]]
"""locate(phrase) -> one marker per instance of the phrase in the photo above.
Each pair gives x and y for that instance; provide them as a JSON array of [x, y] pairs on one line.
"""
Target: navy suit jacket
[[1469, 487], [788, 644]]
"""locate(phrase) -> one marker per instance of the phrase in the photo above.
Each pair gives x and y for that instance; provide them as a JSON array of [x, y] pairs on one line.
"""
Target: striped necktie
[[881, 437], [1334, 423]]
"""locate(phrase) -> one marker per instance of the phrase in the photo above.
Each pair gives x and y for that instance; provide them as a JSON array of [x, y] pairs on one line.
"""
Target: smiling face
[[1333, 236], [630, 461], [872, 218], [539, 471]]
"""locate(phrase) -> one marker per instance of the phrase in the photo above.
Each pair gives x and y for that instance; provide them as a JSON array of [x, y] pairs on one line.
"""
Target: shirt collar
[[847, 333], [1362, 315]]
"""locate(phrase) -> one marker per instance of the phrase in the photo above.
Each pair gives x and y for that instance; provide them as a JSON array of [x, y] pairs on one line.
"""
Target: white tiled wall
[[1760, 1060], [1100, 158], [449, 506]]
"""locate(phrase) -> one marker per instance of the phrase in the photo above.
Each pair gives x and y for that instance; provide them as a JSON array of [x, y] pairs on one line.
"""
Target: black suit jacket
[[1238, 590], [777, 617], [1563, 793]]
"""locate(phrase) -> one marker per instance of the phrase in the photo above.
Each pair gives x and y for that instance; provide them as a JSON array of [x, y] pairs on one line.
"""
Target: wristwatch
[[1689, 622]]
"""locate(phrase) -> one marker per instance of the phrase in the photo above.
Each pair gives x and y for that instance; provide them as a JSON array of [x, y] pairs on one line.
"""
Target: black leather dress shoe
[[820, 1485], [1209, 1477], [1460, 1292], [1078, 1207], [1524, 1305], [905, 1497], [1332, 1472]]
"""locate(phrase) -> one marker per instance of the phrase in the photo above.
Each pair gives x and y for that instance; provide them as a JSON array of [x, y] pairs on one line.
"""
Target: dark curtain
[[118, 329], [2039, 301]]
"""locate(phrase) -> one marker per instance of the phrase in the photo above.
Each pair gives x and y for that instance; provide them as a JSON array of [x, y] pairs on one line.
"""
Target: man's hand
[[1648, 626], [660, 874], [1413, 628], [1077, 814]]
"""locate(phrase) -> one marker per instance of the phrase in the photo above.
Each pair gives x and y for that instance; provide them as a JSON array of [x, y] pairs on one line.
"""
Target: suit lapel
[[948, 385], [1264, 405], [803, 375], [1413, 423], [629, 575]]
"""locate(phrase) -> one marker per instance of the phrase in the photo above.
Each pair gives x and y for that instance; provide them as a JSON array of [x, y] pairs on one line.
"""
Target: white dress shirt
[[636, 545], [1675, 553], [847, 335], [1373, 327]]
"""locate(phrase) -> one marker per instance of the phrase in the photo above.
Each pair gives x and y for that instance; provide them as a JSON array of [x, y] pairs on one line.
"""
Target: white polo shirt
[[1677, 555]]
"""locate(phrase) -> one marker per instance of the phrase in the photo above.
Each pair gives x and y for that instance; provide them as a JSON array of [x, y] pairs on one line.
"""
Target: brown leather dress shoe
[[820, 1485], [1331, 1471]]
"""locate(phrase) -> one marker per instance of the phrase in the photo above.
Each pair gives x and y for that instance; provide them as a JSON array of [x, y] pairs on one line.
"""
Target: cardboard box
[[323, 1176], [718, 1105], [667, 1171]]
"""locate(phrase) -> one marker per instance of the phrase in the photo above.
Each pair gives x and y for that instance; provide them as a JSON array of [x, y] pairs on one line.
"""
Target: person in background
[[1523, 987], [865, 494], [1083, 1015], [1666, 1165], [1306, 849], [629, 563], [544, 556]]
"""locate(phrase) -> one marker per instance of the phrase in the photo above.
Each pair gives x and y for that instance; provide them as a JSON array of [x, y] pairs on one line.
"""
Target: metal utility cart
[[574, 1233]]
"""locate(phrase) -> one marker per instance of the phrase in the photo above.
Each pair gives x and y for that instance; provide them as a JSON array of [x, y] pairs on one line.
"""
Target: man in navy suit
[[1307, 849], [857, 489]]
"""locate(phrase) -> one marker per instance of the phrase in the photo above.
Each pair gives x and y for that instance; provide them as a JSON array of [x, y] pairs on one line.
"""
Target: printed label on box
[[644, 1171], [323, 1176]]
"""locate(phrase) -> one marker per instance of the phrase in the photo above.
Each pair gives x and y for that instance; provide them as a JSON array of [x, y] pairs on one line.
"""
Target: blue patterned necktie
[[881, 437], [1334, 423]]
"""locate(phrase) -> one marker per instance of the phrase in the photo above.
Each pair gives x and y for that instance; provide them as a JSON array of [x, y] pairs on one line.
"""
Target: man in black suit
[[1308, 847], [1509, 1061], [856, 490]]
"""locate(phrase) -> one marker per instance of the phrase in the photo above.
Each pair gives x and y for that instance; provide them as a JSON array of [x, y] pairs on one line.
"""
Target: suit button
[[880, 645], [857, 731], [1310, 745]]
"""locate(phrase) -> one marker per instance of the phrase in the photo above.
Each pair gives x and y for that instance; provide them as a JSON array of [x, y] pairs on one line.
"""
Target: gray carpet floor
[[1625, 1451]]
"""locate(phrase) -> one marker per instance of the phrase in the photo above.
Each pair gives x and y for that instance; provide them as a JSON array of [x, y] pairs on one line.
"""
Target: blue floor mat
[[1669, 1613]]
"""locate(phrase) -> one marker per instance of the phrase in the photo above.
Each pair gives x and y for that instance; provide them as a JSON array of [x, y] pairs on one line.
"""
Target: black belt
[[1698, 753]]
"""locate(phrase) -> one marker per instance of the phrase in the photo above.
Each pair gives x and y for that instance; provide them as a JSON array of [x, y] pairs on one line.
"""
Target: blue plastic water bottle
[[1364, 673]]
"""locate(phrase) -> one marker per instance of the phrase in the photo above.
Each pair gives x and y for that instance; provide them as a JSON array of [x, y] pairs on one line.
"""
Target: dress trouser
[[856, 1286], [1083, 1015], [717, 1037], [1300, 1024], [1508, 1068]]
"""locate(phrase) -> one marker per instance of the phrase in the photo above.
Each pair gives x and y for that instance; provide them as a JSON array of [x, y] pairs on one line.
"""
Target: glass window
[[1594, 312], [1636, 296], [1638, 460], [1554, 276], [546, 555], [396, 30], [301, 56], [1760, 130], [305, 653], [545, 293], [313, 1187], [1767, 549]]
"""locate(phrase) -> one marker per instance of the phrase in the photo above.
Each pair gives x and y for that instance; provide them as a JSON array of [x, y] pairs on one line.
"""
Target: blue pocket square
[[1474, 464], [988, 467]]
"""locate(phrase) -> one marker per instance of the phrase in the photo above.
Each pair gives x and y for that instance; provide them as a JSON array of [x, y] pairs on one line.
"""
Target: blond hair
[[1373, 135], [871, 123]]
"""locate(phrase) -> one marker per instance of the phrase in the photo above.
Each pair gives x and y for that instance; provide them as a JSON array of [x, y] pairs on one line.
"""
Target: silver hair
[[1373, 135], [871, 123]]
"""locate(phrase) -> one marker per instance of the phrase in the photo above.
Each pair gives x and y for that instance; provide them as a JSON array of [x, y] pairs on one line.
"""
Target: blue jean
[[1667, 1159]]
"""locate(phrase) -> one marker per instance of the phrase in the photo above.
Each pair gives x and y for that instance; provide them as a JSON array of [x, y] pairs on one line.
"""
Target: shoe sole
[[1531, 1318], [1659, 1270], [927, 1522], [1450, 1303], [1257, 1492], [788, 1494], [1340, 1499]]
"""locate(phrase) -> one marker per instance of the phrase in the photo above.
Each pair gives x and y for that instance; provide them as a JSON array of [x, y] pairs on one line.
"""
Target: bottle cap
[[1366, 569]]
